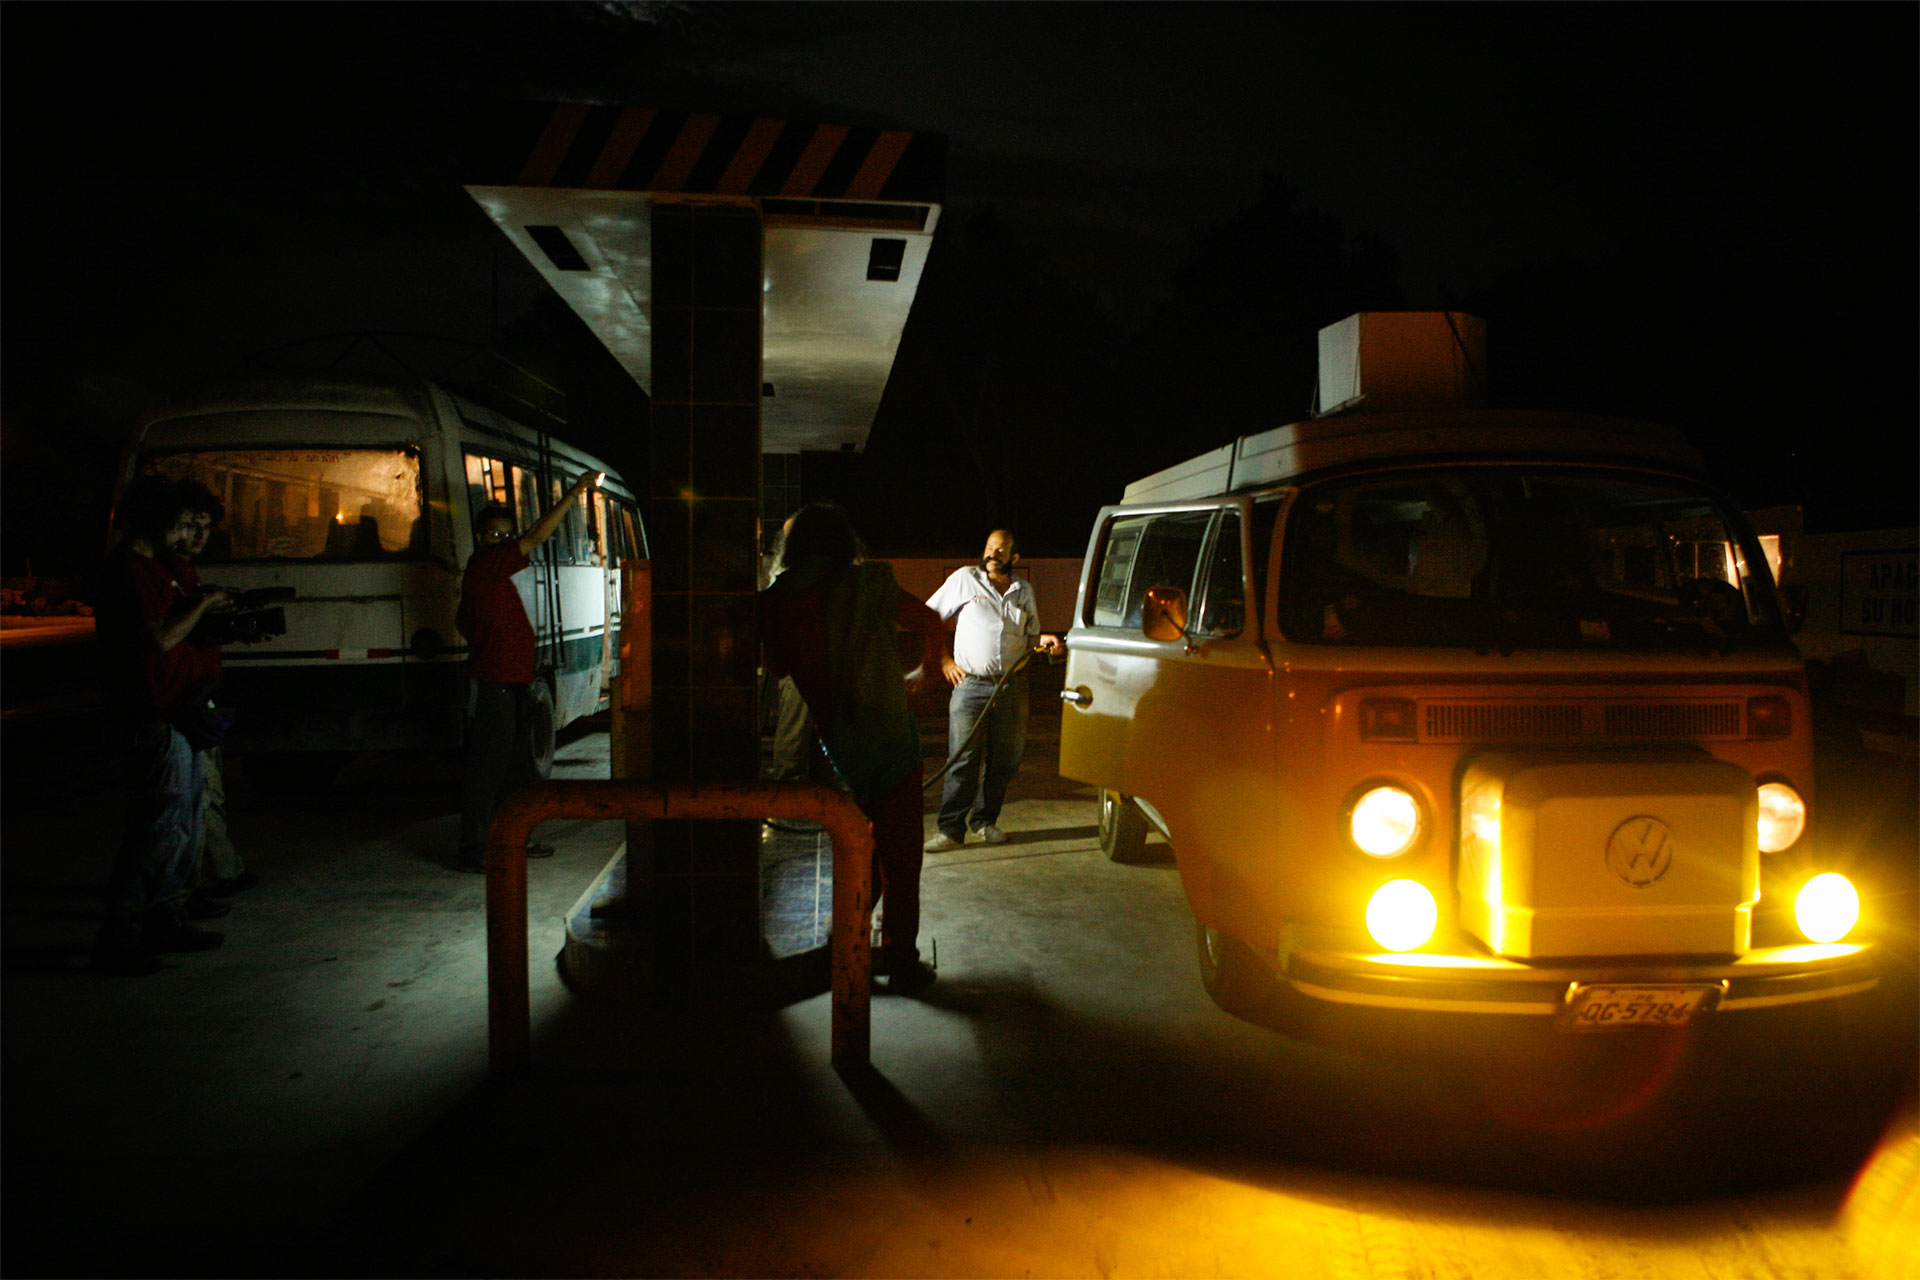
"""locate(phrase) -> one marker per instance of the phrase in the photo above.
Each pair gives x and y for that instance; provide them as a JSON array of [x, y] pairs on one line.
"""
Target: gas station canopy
[[848, 217]]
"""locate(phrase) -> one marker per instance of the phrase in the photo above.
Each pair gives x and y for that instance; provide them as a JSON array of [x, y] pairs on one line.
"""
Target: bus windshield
[[1511, 557], [307, 504]]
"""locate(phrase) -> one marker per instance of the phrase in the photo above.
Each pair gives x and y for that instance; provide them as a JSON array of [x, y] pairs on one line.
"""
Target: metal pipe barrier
[[509, 996]]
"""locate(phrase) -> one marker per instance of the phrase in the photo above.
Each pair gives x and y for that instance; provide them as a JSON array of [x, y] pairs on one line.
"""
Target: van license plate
[[1598, 1008]]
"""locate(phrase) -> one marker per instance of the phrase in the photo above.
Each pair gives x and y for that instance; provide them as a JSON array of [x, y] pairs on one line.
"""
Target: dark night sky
[[187, 182]]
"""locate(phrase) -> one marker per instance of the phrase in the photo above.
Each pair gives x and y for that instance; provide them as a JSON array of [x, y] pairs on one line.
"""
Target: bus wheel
[[1123, 828], [1234, 977], [537, 740]]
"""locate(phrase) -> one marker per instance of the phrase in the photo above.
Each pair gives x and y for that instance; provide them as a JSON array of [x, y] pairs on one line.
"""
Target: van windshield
[[307, 504], [1499, 558]]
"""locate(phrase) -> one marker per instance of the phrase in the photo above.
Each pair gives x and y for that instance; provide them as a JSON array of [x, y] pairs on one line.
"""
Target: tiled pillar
[[705, 478]]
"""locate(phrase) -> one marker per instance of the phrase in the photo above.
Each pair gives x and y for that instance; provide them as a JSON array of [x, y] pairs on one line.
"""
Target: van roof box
[[1356, 431], [1386, 360]]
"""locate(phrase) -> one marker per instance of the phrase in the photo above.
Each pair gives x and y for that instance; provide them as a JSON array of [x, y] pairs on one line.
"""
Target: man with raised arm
[[500, 664]]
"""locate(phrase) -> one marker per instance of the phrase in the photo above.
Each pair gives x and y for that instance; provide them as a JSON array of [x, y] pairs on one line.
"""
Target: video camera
[[255, 616]]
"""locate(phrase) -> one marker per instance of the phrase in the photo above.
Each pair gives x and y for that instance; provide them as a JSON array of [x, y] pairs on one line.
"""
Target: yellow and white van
[[1462, 711]]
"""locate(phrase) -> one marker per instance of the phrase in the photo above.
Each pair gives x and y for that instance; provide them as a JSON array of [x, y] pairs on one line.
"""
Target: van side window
[[1223, 608], [1144, 552], [1116, 566]]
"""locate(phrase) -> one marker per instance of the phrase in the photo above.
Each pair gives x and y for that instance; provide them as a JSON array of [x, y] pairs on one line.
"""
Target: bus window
[[328, 504], [574, 540], [597, 525], [526, 498], [486, 483], [631, 548]]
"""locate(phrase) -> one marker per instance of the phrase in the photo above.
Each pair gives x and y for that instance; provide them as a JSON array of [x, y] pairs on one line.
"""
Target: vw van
[[1461, 711]]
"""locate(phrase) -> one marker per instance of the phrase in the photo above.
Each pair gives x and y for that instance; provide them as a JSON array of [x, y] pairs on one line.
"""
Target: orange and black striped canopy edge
[[576, 145]]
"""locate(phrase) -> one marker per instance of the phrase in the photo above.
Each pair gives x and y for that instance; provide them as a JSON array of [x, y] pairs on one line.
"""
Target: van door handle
[[1078, 697]]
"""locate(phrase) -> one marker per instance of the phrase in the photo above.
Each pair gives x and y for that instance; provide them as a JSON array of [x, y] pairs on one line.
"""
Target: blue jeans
[[496, 724], [998, 746], [161, 840]]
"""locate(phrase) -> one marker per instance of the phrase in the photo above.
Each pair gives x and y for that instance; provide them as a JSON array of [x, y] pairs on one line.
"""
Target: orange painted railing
[[509, 995]]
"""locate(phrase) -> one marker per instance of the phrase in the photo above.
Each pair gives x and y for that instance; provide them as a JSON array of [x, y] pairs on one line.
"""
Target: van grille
[[1574, 721], [1502, 721], [1673, 720]]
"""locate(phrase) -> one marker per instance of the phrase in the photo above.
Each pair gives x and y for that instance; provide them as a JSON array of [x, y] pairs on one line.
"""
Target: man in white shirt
[[998, 625]]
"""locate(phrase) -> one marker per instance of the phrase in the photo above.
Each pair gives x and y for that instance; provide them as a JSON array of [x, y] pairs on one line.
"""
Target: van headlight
[[1384, 822], [1783, 816], [1402, 915], [1827, 907]]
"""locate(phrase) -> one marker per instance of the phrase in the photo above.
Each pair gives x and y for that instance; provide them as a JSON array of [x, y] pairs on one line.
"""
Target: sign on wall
[[1879, 593]]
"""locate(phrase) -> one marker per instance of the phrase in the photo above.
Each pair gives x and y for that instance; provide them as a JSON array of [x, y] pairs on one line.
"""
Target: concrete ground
[[311, 1099]]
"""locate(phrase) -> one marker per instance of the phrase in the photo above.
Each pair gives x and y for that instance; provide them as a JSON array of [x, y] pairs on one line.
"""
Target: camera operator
[[142, 623], [219, 870]]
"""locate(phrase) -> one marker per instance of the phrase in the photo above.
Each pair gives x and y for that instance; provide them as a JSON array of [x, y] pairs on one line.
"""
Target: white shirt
[[994, 629]]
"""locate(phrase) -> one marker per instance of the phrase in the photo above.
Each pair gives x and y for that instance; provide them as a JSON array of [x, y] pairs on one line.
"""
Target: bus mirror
[[1163, 613]]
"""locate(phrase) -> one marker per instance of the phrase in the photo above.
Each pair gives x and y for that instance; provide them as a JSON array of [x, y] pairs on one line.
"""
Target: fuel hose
[[980, 722]]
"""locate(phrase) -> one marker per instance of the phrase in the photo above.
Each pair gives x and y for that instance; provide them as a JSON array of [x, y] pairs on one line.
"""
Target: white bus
[[360, 495]]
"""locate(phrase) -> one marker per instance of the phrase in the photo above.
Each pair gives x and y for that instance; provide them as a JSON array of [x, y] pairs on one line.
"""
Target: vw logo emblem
[[1640, 850]]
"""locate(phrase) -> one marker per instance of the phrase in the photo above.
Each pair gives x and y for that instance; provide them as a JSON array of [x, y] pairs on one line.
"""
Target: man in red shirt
[[142, 621], [500, 664]]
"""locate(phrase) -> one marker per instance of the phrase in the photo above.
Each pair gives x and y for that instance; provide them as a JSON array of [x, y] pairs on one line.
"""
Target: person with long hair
[[832, 621]]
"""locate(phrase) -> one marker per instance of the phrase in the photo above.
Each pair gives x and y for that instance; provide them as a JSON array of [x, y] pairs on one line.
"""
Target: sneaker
[[203, 906], [990, 834], [942, 843]]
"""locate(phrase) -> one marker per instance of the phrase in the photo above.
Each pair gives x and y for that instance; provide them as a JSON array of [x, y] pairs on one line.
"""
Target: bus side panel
[[583, 625]]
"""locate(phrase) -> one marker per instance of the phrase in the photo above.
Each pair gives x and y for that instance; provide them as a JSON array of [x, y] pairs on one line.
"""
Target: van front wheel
[[1233, 976], [1123, 828]]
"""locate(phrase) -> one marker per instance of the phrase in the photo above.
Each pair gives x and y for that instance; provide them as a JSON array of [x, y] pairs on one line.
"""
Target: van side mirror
[[1163, 613]]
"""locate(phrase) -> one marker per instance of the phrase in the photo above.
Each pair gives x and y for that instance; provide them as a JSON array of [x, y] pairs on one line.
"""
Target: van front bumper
[[1767, 977]]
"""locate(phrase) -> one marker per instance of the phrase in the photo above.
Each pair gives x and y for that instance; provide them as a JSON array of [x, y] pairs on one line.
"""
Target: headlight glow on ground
[[1402, 914], [1385, 822], [1783, 816], [1828, 907]]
